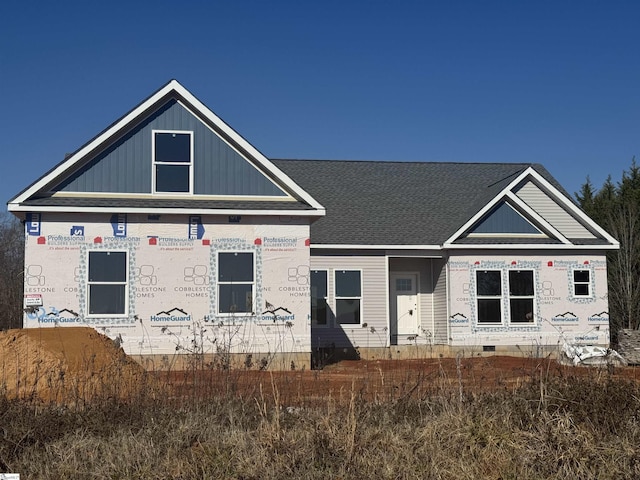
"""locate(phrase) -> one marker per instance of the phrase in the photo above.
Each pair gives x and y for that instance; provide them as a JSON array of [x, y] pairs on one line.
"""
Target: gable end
[[552, 211], [128, 166]]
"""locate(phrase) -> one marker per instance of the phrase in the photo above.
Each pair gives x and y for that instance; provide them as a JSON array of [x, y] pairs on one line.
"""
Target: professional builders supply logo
[[119, 224], [196, 229], [280, 244]]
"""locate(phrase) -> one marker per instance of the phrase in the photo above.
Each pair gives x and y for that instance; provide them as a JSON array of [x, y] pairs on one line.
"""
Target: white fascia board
[[531, 246], [203, 110], [535, 216], [486, 208], [376, 247], [12, 207], [572, 207], [80, 154], [173, 196], [231, 133]]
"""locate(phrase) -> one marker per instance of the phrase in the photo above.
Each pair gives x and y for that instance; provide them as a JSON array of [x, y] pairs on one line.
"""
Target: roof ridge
[[435, 162]]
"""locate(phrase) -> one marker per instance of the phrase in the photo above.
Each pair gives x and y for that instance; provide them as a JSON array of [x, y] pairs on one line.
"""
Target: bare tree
[[11, 271], [624, 265]]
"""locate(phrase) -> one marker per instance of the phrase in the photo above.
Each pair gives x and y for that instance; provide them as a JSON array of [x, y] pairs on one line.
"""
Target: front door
[[404, 303]]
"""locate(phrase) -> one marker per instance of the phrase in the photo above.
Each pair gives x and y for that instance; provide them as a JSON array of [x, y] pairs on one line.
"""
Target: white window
[[521, 296], [107, 283], [236, 285], [172, 161], [319, 292], [489, 296], [348, 290], [582, 283]]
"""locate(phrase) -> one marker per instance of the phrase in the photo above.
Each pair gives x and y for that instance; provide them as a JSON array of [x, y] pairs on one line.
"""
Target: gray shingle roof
[[588, 241], [398, 203]]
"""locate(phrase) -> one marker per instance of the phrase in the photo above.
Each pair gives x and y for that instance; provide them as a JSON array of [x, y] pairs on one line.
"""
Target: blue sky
[[553, 82]]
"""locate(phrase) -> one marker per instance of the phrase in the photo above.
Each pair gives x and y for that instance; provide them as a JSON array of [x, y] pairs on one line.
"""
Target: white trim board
[[337, 246], [170, 210], [532, 246]]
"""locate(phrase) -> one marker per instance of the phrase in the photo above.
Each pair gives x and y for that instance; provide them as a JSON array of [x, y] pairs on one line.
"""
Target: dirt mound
[[68, 364]]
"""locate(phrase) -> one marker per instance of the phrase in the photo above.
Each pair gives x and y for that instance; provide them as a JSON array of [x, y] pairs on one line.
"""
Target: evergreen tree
[[585, 197], [617, 209]]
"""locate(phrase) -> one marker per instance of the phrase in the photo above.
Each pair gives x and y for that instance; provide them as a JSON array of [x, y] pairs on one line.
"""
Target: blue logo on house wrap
[[119, 224], [196, 229], [77, 231], [33, 224]]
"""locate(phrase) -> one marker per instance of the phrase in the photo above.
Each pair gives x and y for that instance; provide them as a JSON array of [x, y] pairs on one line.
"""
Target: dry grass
[[564, 427]]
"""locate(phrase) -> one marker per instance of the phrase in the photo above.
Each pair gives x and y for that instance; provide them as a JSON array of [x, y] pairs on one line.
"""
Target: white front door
[[404, 303]]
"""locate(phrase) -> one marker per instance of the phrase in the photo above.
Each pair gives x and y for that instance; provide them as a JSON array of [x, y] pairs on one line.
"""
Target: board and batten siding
[[548, 209], [125, 166], [373, 305]]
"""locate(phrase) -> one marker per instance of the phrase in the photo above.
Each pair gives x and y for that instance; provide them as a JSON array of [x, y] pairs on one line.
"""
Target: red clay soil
[[381, 380], [70, 364], [79, 364]]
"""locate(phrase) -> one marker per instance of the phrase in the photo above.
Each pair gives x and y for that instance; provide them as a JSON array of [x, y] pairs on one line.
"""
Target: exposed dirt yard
[[64, 364], [76, 364], [383, 380]]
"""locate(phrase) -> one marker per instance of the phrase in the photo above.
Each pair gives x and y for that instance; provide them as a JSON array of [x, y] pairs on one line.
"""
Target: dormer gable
[[530, 210]]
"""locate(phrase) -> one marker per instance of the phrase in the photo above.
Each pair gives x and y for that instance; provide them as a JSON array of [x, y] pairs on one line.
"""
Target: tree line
[[616, 208]]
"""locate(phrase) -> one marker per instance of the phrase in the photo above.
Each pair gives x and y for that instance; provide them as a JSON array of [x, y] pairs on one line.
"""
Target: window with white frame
[[582, 283], [319, 292], [520, 293], [489, 296], [172, 161], [348, 293], [236, 285], [521, 296], [107, 283]]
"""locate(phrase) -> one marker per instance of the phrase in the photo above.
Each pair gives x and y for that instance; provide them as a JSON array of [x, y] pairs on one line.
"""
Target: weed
[[423, 418]]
